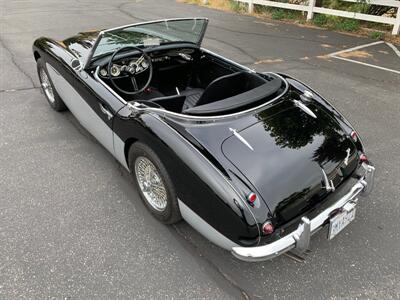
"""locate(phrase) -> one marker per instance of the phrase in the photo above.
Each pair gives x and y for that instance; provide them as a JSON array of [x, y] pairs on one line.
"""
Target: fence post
[[251, 7], [396, 27], [310, 12]]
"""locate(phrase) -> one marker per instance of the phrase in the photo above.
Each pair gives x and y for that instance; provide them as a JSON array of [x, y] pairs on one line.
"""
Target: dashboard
[[136, 64]]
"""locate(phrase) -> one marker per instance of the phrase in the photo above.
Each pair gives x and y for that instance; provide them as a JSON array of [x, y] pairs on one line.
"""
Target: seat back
[[228, 86]]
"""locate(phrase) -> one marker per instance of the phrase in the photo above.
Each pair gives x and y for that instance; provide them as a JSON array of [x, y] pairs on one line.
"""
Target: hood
[[81, 44], [285, 154]]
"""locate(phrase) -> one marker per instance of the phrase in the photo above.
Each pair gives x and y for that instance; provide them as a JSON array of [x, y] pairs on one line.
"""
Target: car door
[[78, 91]]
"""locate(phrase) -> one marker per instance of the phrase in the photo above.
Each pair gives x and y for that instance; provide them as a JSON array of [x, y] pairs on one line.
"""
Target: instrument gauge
[[103, 72], [145, 64], [115, 70]]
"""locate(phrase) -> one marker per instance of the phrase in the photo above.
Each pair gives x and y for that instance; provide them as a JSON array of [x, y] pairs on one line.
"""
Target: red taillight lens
[[267, 228], [363, 158], [354, 136], [251, 197]]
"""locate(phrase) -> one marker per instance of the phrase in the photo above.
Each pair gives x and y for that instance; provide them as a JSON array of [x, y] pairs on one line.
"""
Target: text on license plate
[[340, 221]]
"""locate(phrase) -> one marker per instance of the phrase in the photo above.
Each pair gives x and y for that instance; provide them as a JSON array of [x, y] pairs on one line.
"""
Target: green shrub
[[376, 35], [278, 14], [347, 25], [320, 20], [293, 14], [236, 6]]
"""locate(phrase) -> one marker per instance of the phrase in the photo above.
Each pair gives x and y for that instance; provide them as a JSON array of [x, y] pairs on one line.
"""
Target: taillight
[[268, 228], [354, 136], [251, 197], [363, 158]]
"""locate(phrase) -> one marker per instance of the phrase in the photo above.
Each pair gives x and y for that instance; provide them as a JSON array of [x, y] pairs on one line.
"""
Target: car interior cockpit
[[149, 64]]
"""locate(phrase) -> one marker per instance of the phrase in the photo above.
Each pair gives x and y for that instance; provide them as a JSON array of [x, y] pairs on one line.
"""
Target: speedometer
[[115, 70]]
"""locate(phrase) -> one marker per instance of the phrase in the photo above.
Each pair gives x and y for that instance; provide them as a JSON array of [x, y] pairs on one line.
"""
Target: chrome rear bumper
[[300, 238]]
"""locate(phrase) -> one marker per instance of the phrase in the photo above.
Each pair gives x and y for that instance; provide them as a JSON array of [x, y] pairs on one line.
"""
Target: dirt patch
[[325, 57], [356, 54], [326, 46], [268, 61]]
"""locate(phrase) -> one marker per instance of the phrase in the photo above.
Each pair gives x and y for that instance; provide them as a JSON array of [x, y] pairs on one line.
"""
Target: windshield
[[152, 34]]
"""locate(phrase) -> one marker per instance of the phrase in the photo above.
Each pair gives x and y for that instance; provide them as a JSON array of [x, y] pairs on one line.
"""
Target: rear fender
[[200, 186]]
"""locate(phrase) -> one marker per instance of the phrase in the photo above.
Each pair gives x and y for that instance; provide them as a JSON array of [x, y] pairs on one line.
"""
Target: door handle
[[106, 112]]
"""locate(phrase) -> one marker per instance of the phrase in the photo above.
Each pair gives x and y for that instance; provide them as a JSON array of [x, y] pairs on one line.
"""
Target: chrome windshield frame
[[101, 33]]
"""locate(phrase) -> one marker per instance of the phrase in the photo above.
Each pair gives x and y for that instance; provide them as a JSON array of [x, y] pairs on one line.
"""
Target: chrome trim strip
[[329, 186], [163, 112], [299, 238], [346, 160], [242, 139], [153, 21], [231, 61], [204, 228], [304, 108]]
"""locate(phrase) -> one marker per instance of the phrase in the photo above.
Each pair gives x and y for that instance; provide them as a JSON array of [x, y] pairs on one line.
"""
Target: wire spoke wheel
[[151, 183], [46, 85]]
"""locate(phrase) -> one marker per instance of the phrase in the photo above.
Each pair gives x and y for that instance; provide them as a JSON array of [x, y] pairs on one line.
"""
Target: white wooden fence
[[311, 9]]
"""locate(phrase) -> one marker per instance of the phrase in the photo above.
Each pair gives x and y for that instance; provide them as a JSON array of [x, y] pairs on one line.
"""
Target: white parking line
[[396, 51], [368, 65], [394, 48], [355, 48]]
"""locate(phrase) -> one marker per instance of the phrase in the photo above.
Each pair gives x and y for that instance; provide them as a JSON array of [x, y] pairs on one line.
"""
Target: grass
[[320, 20], [349, 25], [336, 23], [278, 14], [376, 35]]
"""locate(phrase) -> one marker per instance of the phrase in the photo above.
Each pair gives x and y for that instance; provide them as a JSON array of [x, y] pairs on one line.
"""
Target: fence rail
[[311, 9]]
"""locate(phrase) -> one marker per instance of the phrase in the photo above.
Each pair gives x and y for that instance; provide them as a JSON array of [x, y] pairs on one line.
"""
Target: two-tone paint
[[211, 169]]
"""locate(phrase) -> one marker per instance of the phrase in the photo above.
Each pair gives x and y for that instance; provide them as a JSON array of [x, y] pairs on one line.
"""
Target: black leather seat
[[192, 97], [221, 88]]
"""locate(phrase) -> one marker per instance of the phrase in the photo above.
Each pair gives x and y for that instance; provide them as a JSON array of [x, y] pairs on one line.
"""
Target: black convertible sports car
[[256, 162]]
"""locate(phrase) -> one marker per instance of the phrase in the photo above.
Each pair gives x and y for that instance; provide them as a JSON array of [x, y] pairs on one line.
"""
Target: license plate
[[340, 221]]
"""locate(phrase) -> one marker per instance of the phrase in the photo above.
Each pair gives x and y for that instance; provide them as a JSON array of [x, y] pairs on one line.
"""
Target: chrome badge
[[346, 160]]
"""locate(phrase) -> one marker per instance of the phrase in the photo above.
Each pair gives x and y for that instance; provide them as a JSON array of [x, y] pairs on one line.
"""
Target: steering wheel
[[142, 64]]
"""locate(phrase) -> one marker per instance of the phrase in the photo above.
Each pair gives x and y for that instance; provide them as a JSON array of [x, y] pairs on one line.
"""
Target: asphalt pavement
[[72, 224]]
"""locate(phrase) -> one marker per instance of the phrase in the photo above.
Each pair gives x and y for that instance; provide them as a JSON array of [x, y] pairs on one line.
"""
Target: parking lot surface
[[72, 224]]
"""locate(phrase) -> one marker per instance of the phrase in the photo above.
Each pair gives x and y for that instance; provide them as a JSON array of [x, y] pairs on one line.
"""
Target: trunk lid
[[290, 151]]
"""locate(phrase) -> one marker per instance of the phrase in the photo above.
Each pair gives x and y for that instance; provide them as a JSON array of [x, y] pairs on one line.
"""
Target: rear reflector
[[251, 197]]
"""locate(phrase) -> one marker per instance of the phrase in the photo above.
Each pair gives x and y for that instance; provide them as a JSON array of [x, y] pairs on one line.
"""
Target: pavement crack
[[14, 62], [120, 9]]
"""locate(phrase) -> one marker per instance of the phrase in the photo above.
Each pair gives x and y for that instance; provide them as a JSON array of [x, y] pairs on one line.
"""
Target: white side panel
[[119, 148], [81, 110], [204, 228]]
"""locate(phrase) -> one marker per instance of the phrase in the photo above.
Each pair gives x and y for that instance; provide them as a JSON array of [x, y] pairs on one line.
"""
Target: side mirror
[[76, 64]]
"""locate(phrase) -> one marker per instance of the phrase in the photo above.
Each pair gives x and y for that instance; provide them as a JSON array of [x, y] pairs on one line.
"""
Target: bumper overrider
[[300, 238]]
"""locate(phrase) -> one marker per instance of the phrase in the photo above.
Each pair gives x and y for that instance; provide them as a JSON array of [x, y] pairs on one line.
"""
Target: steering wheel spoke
[[134, 83]]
